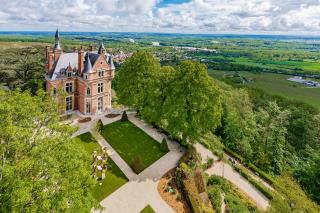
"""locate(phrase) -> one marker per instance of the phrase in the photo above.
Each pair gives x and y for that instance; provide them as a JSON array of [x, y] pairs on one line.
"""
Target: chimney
[[49, 65], [92, 47], [47, 52], [75, 49], [80, 60], [57, 53]]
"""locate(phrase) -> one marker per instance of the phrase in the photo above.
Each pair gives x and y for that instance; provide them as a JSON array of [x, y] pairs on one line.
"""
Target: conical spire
[[88, 65], [57, 40], [101, 48], [111, 63]]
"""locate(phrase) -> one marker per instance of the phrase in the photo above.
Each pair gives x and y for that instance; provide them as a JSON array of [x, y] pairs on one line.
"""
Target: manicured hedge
[[261, 173], [255, 183], [186, 180], [251, 166]]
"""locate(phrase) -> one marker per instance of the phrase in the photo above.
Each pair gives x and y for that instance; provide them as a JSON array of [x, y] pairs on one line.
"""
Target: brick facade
[[79, 80]]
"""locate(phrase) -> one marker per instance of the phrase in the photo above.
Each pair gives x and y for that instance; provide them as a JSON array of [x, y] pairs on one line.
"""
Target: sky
[[170, 16]]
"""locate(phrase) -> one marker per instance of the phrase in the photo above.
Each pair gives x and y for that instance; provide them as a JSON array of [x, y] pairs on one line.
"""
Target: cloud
[[195, 16]]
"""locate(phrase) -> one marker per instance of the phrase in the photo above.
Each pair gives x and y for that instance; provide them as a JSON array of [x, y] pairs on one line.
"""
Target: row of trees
[[184, 100], [187, 103]]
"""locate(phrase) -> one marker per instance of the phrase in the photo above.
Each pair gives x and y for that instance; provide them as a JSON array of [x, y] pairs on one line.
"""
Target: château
[[84, 77]]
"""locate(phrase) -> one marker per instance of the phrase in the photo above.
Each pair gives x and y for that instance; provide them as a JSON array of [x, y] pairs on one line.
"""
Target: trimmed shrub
[[164, 145], [215, 198], [111, 115], [185, 177], [199, 180], [137, 164], [99, 126], [124, 116]]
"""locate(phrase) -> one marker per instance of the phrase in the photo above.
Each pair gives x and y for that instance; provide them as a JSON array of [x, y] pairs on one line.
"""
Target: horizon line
[[173, 33]]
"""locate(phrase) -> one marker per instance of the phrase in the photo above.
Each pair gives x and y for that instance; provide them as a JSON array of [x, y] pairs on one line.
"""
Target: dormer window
[[101, 73], [69, 74]]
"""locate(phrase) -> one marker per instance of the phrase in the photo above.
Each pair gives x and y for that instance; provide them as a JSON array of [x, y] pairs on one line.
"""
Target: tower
[[57, 49]]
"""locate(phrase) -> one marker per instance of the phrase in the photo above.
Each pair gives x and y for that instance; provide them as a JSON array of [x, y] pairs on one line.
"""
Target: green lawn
[[129, 142], [147, 209], [277, 84], [114, 176]]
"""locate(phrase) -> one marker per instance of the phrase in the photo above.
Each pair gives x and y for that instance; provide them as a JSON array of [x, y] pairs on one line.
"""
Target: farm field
[[277, 84]]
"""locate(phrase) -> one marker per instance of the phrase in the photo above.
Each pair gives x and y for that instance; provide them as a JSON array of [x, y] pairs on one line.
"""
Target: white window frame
[[100, 87], [69, 103], [101, 73], [69, 87]]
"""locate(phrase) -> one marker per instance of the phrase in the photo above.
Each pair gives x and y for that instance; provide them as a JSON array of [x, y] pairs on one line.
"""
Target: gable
[[101, 63]]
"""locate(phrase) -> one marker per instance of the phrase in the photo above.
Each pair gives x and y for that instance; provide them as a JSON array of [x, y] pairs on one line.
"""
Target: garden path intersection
[[141, 190]]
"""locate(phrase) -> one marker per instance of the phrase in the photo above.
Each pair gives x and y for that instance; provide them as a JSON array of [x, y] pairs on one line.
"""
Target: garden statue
[[94, 156]]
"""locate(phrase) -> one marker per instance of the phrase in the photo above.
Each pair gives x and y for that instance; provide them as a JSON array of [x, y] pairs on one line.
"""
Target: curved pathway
[[223, 169]]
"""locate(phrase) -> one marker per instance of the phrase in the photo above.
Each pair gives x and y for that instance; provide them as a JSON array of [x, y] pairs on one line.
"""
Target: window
[[86, 77], [100, 87], [54, 91], [88, 91], [88, 107], [101, 73], [100, 104], [68, 103], [69, 74], [69, 87]]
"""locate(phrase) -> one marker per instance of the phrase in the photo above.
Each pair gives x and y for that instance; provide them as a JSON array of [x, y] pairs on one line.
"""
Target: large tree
[[138, 79], [239, 123], [193, 103], [41, 169], [270, 143]]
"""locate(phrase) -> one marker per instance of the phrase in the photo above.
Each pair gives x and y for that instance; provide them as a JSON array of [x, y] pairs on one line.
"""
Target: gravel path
[[141, 190], [225, 170]]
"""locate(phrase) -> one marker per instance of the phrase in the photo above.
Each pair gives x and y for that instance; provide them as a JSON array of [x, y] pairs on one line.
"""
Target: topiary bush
[[124, 116], [138, 165], [164, 145], [99, 126]]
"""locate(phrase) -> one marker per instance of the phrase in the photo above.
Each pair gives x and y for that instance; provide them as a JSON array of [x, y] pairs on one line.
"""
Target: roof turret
[[57, 40], [101, 48], [88, 65], [111, 63]]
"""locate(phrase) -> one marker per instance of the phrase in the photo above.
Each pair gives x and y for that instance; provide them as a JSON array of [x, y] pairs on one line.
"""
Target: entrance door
[[100, 104]]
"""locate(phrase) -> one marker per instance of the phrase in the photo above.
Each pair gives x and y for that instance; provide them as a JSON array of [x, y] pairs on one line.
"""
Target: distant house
[[84, 76]]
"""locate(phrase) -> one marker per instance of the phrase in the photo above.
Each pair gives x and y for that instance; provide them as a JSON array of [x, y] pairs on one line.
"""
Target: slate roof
[[70, 60], [87, 65], [62, 63]]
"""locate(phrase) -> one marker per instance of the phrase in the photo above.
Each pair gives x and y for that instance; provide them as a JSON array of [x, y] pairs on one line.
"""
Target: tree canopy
[[183, 100], [40, 165]]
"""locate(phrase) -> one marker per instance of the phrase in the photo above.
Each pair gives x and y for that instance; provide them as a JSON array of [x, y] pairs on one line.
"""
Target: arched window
[[88, 91]]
